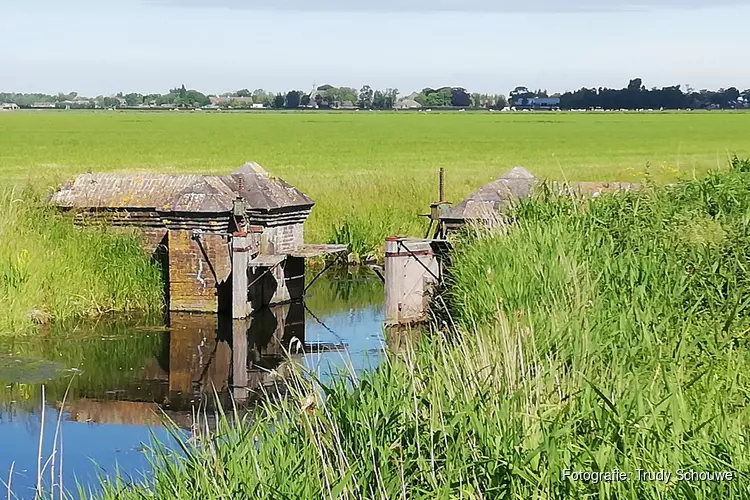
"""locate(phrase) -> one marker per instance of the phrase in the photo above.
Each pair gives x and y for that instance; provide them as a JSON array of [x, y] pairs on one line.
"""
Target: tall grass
[[51, 270], [592, 336]]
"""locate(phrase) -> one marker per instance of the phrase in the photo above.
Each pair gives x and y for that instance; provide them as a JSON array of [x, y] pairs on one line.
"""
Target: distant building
[[43, 105], [75, 103], [229, 100], [540, 103], [407, 103]]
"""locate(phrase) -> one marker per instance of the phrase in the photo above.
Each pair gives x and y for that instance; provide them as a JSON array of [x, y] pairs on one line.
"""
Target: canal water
[[121, 374]]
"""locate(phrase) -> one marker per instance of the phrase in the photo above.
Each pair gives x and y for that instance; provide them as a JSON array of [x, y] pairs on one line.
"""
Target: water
[[120, 374]]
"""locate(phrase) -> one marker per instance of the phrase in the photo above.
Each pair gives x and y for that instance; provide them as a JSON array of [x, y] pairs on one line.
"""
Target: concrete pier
[[240, 259], [412, 271]]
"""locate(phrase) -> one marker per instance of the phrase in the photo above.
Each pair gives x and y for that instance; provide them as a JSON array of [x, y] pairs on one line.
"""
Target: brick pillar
[[192, 264]]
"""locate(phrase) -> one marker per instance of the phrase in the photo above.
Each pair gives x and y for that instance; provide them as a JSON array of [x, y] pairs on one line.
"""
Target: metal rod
[[401, 244], [442, 185], [322, 324], [438, 231], [266, 272], [378, 272], [429, 228], [328, 266], [199, 240]]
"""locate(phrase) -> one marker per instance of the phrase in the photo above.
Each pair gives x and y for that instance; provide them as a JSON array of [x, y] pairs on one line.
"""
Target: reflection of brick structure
[[246, 358], [196, 355], [206, 226], [114, 412]]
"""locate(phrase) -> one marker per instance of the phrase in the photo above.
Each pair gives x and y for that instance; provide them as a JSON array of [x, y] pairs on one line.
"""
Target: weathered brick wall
[[192, 285], [152, 238]]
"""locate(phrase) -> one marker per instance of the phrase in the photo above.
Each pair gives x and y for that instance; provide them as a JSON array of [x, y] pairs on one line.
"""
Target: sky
[[99, 47]]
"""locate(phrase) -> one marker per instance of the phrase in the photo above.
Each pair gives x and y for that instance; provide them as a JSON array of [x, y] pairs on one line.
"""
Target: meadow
[[591, 335], [370, 174]]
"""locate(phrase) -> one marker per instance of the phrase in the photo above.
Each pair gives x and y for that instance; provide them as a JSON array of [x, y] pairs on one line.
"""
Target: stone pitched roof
[[182, 193], [486, 202], [154, 191], [264, 192]]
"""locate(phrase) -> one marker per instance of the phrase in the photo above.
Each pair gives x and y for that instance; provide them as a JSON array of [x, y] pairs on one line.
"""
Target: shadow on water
[[124, 373]]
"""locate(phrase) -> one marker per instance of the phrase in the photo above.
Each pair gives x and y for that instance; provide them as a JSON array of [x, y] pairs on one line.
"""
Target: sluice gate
[[415, 268], [230, 244]]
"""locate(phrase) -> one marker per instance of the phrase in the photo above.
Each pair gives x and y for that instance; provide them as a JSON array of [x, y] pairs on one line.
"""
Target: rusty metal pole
[[442, 185]]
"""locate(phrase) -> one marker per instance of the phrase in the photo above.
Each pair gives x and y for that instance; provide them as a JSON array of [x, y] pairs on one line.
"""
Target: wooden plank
[[308, 251], [265, 260]]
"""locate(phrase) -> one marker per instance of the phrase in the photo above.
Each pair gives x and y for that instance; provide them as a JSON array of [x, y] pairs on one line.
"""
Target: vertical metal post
[[442, 185]]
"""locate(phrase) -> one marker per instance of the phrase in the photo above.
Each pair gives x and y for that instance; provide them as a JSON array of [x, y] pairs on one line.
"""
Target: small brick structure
[[232, 243], [415, 268]]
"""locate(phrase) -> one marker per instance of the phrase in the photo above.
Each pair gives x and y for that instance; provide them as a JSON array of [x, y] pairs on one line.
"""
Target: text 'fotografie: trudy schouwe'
[[662, 476]]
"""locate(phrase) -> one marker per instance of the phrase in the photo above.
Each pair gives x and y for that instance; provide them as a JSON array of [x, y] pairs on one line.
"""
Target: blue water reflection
[[132, 371]]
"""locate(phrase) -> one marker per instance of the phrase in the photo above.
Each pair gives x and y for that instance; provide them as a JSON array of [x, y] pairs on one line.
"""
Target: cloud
[[486, 6]]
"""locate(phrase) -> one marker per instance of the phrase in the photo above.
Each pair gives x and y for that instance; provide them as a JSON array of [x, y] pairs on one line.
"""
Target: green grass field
[[370, 173]]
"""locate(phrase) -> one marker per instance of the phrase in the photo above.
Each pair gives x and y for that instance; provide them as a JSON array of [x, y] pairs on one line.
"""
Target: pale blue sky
[[102, 47]]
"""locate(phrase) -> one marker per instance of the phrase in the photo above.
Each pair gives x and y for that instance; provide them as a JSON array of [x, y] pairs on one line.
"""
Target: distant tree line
[[177, 97], [634, 96], [637, 96], [459, 97]]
